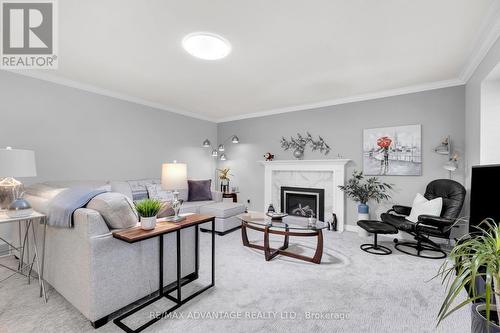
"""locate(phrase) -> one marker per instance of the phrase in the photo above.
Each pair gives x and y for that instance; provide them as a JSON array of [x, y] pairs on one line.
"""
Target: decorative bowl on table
[[19, 208], [276, 216]]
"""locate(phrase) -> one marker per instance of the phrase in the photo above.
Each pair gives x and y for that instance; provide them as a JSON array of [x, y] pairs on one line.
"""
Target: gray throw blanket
[[62, 207]]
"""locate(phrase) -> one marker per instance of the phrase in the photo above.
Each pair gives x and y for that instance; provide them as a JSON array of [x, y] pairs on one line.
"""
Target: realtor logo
[[29, 38]]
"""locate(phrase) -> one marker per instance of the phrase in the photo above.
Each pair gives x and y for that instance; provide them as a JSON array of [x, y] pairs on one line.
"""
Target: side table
[[136, 234], [24, 246], [233, 195]]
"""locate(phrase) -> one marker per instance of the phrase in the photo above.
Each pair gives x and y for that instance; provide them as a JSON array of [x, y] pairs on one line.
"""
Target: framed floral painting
[[393, 151]]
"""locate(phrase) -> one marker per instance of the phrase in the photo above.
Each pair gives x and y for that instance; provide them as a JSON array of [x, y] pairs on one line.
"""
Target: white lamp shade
[[17, 163], [174, 176]]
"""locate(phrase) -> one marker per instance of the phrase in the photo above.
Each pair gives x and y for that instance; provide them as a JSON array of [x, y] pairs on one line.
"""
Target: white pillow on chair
[[422, 206]]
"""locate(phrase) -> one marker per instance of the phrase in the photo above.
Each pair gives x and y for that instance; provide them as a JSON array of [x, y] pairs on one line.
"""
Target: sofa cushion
[[134, 189], [156, 192], [199, 190], [223, 209], [116, 209], [194, 206], [183, 195], [40, 195]]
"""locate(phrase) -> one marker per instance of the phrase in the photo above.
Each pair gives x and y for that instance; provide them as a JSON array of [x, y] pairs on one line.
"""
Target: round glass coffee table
[[289, 226]]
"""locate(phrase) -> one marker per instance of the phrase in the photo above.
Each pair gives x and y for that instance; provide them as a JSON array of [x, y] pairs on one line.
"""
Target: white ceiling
[[286, 54]]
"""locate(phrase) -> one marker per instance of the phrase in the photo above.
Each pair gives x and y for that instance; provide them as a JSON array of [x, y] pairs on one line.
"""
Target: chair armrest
[[436, 221], [217, 196], [89, 223], [401, 210]]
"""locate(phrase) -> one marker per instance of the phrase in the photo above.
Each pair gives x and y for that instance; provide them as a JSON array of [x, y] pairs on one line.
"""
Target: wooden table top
[[136, 234]]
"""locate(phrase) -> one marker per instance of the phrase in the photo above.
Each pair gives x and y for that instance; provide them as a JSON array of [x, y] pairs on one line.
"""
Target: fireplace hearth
[[304, 202]]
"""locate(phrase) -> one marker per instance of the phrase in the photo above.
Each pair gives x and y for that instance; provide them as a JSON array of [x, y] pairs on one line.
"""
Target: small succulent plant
[[148, 207]]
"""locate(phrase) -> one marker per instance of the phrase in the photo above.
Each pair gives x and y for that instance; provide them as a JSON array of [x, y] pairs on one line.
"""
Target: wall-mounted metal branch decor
[[298, 145]]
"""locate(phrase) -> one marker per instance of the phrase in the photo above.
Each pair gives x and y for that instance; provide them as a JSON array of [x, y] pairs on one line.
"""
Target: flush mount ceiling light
[[206, 45]]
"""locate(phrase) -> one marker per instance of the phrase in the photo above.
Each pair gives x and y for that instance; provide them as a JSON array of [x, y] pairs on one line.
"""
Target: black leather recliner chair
[[453, 194]]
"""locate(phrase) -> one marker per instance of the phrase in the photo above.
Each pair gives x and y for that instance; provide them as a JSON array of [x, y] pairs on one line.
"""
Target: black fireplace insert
[[301, 201]]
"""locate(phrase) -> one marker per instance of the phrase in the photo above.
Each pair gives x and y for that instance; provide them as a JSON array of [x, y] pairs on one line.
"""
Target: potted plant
[[362, 190], [475, 266], [148, 210]]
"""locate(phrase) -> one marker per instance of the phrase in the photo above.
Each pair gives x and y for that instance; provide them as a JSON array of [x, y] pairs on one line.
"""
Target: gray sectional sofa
[[99, 274]]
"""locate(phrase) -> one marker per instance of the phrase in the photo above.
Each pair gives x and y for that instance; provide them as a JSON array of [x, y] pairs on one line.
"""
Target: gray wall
[[81, 135], [440, 112], [473, 108], [490, 121]]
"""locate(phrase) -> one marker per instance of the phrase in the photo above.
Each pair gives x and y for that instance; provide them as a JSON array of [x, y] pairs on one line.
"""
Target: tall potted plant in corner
[[362, 190], [148, 210], [474, 265]]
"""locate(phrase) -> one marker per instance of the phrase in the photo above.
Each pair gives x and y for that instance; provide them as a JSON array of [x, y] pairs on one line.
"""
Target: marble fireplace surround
[[325, 174]]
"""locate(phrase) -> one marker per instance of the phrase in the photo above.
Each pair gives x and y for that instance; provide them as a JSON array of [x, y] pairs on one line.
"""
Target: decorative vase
[[298, 154], [148, 223], [19, 208], [479, 323], [224, 185], [333, 224], [271, 209], [363, 214]]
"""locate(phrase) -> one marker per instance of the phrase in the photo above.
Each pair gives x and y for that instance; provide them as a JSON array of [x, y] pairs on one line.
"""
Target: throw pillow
[[156, 192], [199, 190], [117, 210], [422, 206]]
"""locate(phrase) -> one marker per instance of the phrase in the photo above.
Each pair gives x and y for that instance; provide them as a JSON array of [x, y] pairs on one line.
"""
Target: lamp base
[[9, 191], [175, 218]]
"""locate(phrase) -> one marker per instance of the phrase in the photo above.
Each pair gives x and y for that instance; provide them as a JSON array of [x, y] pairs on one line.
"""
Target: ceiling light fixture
[[220, 149], [206, 45], [206, 143]]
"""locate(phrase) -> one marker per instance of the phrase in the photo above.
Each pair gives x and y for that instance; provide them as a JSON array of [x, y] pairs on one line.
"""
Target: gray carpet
[[352, 290]]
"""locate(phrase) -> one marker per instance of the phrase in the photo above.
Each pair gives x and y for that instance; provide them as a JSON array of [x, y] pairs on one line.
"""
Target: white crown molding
[[104, 92], [351, 99], [487, 36]]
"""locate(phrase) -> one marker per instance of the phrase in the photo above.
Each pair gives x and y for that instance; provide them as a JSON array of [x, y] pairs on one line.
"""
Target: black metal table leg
[[179, 301], [213, 253], [179, 266], [160, 273], [118, 321], [197, 251]]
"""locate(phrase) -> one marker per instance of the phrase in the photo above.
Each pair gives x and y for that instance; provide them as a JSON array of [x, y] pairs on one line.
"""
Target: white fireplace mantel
[[334, 166]]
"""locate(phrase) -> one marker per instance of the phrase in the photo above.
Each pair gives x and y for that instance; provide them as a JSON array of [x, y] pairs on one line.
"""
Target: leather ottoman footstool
[[225, 216], [376, 227]]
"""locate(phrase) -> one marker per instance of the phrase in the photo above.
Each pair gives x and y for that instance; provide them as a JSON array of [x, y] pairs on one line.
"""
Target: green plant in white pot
[[362, 190], [148, 210], [474, 265]]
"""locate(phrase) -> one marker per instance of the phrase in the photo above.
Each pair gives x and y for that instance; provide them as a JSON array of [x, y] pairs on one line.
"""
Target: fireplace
[[301, 201]]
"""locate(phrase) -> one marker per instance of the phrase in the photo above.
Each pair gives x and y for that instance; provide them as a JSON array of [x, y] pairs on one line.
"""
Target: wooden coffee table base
[[270, 252]]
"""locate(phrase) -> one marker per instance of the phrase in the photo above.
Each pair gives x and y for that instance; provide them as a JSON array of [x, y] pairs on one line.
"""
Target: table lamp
[[14, 163], [174, 178]]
